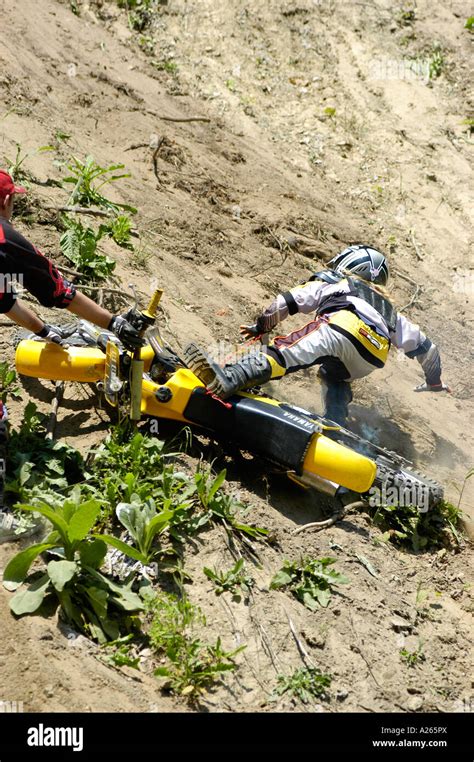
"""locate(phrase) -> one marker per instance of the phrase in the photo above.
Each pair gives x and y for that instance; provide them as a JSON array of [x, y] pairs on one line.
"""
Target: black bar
[[125, 736]]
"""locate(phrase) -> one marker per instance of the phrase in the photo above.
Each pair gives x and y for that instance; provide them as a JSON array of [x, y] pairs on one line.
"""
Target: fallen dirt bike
[[153, 381]]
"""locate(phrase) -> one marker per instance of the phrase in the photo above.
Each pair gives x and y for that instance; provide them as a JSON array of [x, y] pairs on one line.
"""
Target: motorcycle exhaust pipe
[[307, 479]]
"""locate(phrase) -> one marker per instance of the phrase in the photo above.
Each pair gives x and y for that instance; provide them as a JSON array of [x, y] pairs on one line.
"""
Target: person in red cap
[[21, 261]]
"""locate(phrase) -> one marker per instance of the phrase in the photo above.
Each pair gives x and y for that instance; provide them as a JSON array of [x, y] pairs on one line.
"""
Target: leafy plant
[[221, 506], [412, 658], [436, 63], [406, 526], [233, 581], [8, 383], [37, 466], [166, 64], [406, 16], [139, 12], [143, 522], [469, 23], [310, 581], [88, 177], [61, 136], [88, 599], [192, 666], [120, 653], [120, 454], [79, 245], [15, 166], [119, 229], [305, 684], [330, 111]]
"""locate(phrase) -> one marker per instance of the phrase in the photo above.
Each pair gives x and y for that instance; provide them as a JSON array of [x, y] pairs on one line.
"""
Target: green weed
[[79, 244], [8, 383], [305, 684], [15, 166], [88, 178], [166, 64], [407, 527], [191, 666], [87, 599], [37, 466], [412, 658], [235, 580], [310, 581]]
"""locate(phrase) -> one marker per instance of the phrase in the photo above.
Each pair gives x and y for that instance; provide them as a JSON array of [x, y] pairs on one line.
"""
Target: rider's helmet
[[364, 261]]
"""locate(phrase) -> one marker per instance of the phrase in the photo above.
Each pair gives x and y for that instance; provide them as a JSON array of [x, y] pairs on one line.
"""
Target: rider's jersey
[[316, 294], [23, 262]]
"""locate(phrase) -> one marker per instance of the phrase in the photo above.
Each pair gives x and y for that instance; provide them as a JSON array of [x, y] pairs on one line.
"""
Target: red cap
[[7, 186]]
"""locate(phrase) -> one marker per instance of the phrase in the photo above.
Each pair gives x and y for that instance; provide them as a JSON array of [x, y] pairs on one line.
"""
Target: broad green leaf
[[25, 473], [256, 532], [17, 569], [156, 525], [92, 553], [218, 482], [70, 610], [83, 520], [28, 601], [128, 550], [94, 627], [323, 596], [98, 598], [125, 599], [61, 572], [280, 579], [308, 600], [49, 513]]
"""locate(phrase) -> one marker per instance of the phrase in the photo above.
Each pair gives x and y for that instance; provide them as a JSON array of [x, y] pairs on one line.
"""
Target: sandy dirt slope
[[312, 143]]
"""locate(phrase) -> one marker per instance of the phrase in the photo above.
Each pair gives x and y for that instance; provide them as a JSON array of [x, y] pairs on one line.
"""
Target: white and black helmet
[[364, 261]]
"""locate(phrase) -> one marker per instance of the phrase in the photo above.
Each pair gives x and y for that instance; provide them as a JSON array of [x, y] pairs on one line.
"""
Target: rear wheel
[[397, 481]]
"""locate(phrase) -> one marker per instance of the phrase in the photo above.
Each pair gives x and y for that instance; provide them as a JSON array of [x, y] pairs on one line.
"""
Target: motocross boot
[[336, 396], [250, 371]]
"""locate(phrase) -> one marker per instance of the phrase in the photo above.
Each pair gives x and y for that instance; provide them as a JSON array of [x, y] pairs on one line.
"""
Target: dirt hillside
[[315, 132]]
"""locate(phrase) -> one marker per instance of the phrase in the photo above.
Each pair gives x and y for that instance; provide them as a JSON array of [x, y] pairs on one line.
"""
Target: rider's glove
[[52, 334], [432, 387], [250, 331], [128, 335]]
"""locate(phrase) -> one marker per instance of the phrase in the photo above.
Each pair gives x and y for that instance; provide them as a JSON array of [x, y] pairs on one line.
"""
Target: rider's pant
[[317, 343]]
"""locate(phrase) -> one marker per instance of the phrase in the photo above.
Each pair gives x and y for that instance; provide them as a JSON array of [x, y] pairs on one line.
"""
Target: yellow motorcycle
[[154, 381]]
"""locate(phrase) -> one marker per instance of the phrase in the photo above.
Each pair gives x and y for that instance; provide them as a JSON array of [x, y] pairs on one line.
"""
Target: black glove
[[52, 334], [128, 335], [250, 331]]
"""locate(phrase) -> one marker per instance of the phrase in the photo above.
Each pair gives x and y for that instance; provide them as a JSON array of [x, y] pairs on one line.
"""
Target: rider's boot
[[250, 371], [336, 396]]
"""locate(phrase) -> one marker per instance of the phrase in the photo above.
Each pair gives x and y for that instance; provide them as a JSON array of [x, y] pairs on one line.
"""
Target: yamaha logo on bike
[[301, 421]]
